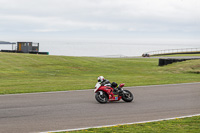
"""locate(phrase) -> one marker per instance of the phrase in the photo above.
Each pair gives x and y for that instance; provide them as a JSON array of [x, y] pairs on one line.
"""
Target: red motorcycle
[[107, 93]]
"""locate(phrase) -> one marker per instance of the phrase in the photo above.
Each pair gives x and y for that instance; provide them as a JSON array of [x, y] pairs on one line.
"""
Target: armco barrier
[[46, 53], [173, 51]]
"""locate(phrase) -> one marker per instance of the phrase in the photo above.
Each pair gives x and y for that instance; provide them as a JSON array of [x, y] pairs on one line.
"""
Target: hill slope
[[24, 73]]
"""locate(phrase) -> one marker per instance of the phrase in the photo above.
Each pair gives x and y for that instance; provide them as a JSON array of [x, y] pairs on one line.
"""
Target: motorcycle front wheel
[[101, 97], [127, 96]]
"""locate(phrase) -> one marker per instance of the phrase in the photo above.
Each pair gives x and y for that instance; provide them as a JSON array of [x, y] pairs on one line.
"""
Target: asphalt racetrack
[[40, 112]]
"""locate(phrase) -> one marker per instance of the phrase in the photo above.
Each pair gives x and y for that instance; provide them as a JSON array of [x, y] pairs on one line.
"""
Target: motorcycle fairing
[[113, 96]]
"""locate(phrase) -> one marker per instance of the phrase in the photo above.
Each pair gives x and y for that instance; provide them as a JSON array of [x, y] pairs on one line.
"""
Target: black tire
[[127, 96], [101, 98]]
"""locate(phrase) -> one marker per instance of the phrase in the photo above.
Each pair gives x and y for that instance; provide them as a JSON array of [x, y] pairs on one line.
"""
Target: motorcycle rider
[[105, 82], [115, 86]]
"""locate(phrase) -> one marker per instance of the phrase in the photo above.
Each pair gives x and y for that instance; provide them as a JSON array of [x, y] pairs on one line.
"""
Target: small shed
[[27, 47]]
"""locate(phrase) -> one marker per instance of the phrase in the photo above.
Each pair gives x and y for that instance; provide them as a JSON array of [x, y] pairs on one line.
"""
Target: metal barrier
[[174, 51]]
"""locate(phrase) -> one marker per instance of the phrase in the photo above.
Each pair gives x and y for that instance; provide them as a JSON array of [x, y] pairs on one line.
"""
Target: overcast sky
[[60, 19]]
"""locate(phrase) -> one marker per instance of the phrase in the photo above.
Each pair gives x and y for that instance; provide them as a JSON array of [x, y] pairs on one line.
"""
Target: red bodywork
[[109, 91]]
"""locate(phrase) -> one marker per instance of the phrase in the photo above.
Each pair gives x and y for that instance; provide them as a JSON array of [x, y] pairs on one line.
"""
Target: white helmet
[[100, 79]]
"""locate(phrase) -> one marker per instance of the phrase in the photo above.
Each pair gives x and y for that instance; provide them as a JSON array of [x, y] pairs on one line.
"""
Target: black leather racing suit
[[105, 82]]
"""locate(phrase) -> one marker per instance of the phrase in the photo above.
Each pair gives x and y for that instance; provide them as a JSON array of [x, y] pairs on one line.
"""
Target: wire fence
[[173, 51]]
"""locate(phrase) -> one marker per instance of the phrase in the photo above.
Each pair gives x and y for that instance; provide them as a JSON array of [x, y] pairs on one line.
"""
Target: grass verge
[[26, 73], [184, 125]]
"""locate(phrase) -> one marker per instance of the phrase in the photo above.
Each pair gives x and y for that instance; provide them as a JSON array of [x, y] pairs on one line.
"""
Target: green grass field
[[26, 73], [184, 125]]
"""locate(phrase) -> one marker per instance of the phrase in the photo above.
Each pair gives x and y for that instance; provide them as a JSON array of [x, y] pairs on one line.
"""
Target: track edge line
[[51, 92], [76, 129]]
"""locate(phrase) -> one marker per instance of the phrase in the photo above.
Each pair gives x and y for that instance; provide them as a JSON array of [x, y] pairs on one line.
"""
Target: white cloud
[[147, 16]]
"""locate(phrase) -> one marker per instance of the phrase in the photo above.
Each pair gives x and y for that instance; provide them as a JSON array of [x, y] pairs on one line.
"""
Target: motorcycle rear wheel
[[101, 98], [127, 96]]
